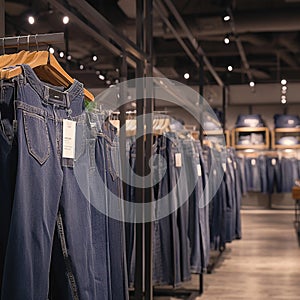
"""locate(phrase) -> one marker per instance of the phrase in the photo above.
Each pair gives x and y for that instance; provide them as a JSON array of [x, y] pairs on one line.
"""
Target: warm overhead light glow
[[69, 57], [283, 82], [51, 50], [229, 68], [283, 101], [283, 91], [226, 18], [226, 40], [31, 20], [284, 88], [251, 83], [95, 58], [66, 19], [61, 54], [186, 75], [81, 67], [108, 82], [102, 77], [117, 81]]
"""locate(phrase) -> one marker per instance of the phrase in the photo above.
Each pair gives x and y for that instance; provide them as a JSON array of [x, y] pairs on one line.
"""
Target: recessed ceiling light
[[284, 88], [66, 20], [69, 57], [51, 50], [283, 101], [102, 77], [251, 83], [283, 82], [81, 67], [186, 75], [229, 68], [95, 57], [61, 54], [31, 20], [226, 40], [226, 18]]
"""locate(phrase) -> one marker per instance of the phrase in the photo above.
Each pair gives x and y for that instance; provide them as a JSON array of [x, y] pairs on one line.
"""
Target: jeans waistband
[[52, 94]]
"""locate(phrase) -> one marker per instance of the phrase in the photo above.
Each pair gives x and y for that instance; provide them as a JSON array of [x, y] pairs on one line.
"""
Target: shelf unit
[[237, 131], [216, 133], [281, 132]]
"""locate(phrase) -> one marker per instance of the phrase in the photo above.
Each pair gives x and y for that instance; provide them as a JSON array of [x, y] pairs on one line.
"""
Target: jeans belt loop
[[46, 94]]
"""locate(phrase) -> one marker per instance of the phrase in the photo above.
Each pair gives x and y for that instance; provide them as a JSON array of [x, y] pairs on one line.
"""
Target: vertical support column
[[201, 92], [122, 109], [2, 18], [148, 146], [224, 105], [139, 280], [66, 34]]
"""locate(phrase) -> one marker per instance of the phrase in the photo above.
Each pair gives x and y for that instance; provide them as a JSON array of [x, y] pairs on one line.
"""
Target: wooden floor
[[265, 264]]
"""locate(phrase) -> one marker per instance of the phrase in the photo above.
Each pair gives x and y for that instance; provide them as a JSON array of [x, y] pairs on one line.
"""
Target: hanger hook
[[28, 40], [18, 43], [36, 42]]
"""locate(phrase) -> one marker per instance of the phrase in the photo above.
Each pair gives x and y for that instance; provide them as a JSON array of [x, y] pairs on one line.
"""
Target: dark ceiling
[[264, 38]]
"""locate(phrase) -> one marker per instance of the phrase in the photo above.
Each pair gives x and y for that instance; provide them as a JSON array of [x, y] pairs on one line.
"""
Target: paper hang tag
[[273, 162], [224, 166], [199, 171], [253, 162], [178, 162], [215, 172], [234, 165], [69, 136]]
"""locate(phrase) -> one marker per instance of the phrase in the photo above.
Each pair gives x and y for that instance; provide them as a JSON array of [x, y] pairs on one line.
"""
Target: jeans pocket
[[113, 160], [37, 136]]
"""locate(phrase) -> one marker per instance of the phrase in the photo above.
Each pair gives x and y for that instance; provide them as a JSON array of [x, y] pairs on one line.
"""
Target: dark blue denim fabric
[[8, 164], [273, 175], [286, 121], [289, 171], [203, 201], [252, 174], [108, 164], [254, 120], [45, 183]]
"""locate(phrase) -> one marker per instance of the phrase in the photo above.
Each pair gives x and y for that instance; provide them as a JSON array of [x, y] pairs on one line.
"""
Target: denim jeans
[[273, 174], [286, 121], [254, 120], [45, 184], [8, 164], [289, 171]]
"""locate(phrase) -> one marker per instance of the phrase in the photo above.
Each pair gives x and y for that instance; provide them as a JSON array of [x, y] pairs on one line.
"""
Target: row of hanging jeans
[[224, 208], [57, 239], [267, 174], [180, 229]]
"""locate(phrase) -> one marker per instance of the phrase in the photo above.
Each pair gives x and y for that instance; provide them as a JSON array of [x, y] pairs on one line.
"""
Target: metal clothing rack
[[139, 56]]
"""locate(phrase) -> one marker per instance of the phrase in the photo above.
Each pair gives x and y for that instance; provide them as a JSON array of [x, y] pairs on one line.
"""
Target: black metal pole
[[2, 18], [67, 43], [201, 92], [148, 146], [139, 280], [224, 106], [122, 109]]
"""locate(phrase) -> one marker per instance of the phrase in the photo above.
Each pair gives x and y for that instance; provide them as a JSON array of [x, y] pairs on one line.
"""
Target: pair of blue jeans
[[46, 185]]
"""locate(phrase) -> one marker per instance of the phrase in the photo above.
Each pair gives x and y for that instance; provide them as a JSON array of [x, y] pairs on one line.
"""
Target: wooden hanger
[[45, 66]]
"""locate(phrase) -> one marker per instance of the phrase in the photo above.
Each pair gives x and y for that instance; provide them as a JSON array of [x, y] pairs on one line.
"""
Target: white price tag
[[215, 172], [224, 166], [69, 135], [234, 165], [253, 162], [199, 171], [178, 162], [273, 162]]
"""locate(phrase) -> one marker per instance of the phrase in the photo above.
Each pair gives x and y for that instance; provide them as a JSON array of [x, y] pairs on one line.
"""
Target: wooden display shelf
[[283, 131], [237, 131], [226, 134]]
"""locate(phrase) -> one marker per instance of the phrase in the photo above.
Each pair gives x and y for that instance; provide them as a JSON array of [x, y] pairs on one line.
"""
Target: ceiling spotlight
[[98, 72], [31, 20], [251, 83], [283, 92], [283, 101], [66, 20], [226, 18], [61, 54], [117, 81], [186, 76], [69, 57], [51, 50], [108, 82], [229, 68], [81, 67], [226, 40], [95, 58], [102, 77], [283, 82], [284, 88]]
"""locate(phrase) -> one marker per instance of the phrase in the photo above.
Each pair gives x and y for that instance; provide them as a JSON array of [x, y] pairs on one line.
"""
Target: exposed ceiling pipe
[[161, 10], [193, 41]]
